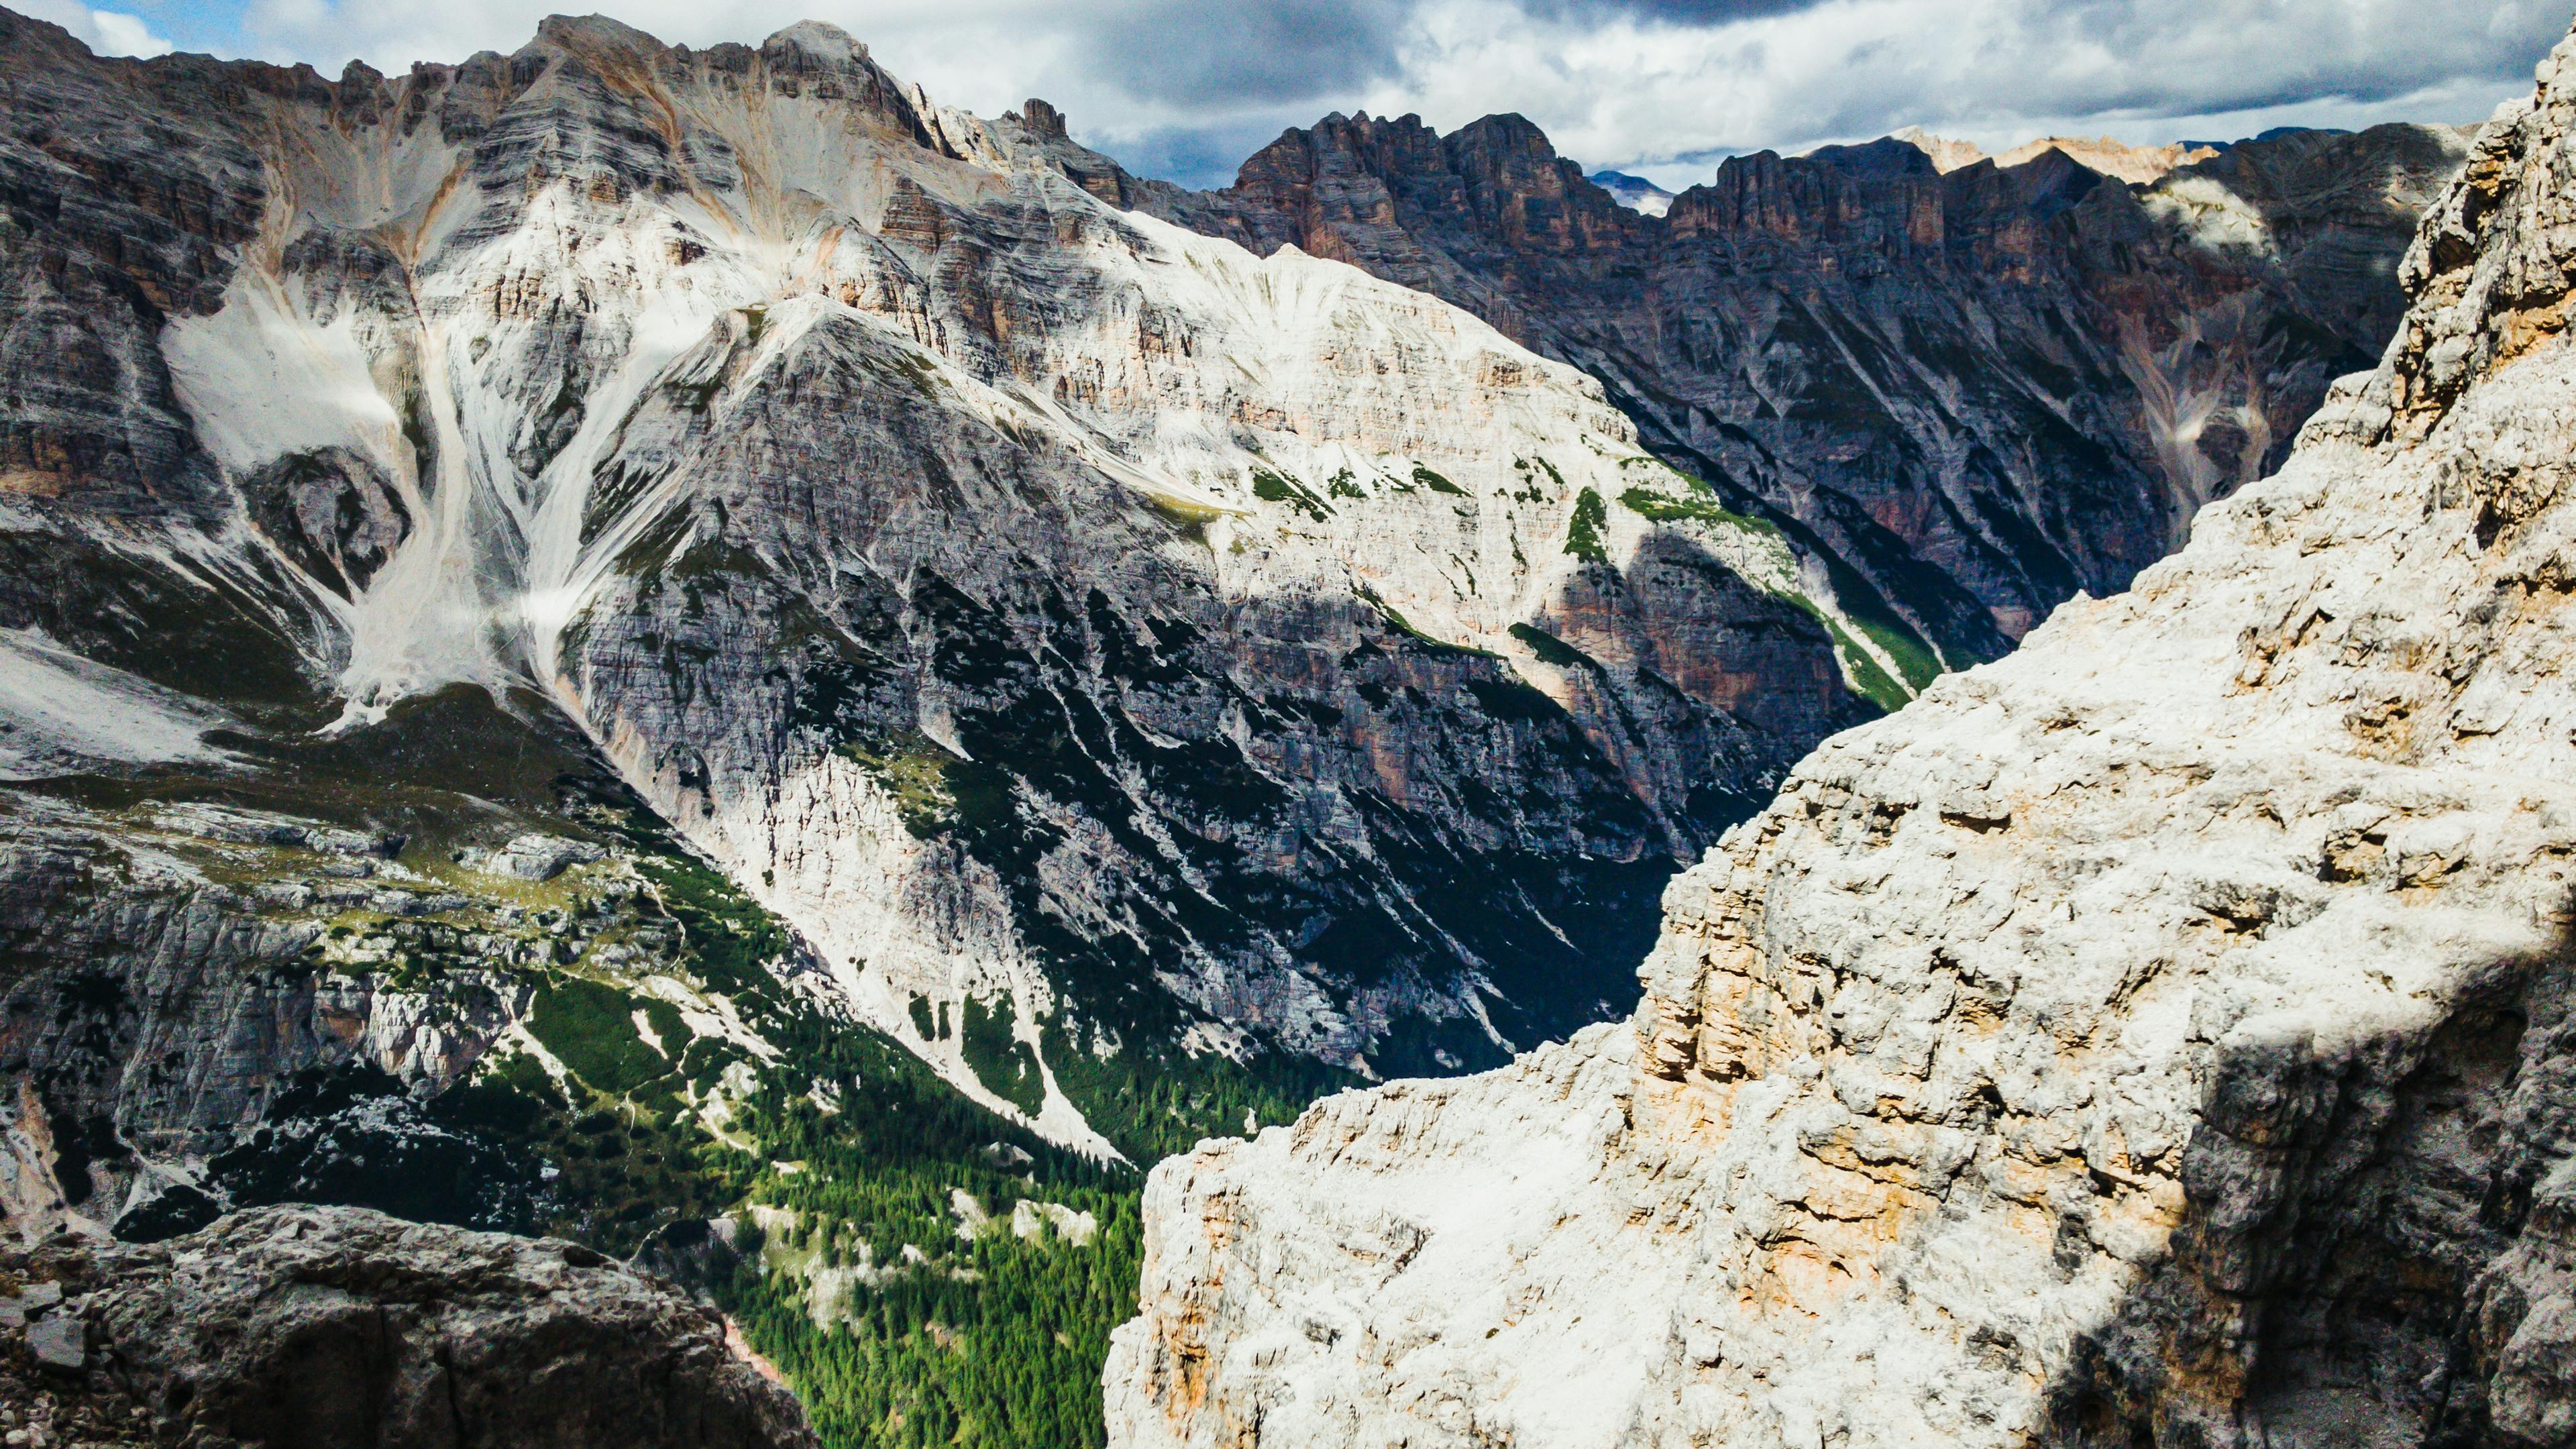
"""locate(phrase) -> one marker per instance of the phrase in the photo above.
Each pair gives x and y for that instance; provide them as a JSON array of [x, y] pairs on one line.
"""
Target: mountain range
[[692, 650]]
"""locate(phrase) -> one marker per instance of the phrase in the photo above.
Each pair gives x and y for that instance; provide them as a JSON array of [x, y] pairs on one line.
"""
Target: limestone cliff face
[[1167, 648], [2160, 1036], [1970, 387]]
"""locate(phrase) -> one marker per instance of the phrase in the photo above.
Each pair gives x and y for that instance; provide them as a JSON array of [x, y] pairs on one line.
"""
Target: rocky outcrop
[[2161, 1036], [1969, 387], [322, 1328]]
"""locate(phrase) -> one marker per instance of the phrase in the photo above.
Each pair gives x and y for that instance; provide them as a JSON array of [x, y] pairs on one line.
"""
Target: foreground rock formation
[[2161, 1036], [1967, 386], [346, 1329]]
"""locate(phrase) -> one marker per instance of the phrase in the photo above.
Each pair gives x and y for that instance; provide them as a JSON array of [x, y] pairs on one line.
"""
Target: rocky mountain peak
[[596, 35], [1948, 153], [1044, 121], [2136, 165], [2491, 271], [824, 41]]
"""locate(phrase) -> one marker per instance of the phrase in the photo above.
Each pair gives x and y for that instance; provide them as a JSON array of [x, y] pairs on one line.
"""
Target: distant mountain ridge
[[2137, 165], [1633, 192], [1966, 393]]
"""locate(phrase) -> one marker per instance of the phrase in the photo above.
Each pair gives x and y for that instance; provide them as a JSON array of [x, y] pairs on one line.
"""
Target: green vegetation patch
[[1866, 676], [1154, 1104], [1271, 487], [1696, 508], [916, 772], [590, 1028], [1896, 638], [992, 1342], [1007, 1358], [997, 1059], [1436, 483], [1583, 532]]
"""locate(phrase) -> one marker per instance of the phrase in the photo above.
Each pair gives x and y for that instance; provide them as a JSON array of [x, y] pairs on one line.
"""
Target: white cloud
[[107, 32], [1996, 71], [1662, 87], [121, 34]]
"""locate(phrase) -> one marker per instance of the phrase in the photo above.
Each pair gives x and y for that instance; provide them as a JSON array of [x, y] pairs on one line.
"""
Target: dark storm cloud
[[1238, 52], [1203, 157], [2228, 55], [1234, 54], [1209, 69]]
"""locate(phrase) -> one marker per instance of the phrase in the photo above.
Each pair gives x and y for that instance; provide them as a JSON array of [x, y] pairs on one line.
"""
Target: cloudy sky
[[1666, 88]]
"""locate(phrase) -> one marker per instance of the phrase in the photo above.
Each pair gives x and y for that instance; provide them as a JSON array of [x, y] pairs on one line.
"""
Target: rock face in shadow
[[1979, 388], [340, 1328], [2162, 1036]]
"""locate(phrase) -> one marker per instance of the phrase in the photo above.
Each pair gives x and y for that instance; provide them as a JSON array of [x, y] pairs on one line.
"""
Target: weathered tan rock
[[2160, 1036]]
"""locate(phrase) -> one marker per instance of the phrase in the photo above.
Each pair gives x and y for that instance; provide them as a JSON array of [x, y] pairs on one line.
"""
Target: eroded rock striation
[[2160, 1036], [1968, 386]]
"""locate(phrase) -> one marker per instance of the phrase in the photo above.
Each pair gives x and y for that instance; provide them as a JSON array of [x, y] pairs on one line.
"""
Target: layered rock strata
[[1973, 386], [2161, 1036]]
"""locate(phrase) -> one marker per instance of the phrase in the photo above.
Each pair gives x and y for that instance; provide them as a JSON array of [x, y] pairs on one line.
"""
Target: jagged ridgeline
[[1963, 387]]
